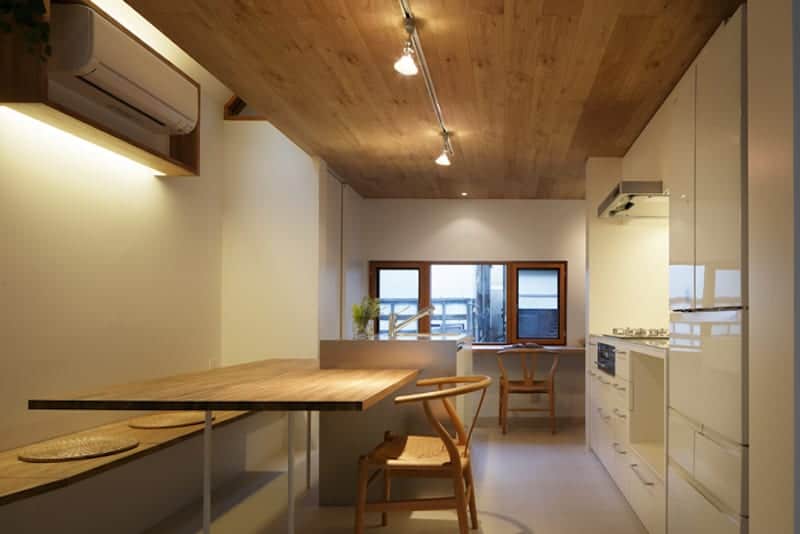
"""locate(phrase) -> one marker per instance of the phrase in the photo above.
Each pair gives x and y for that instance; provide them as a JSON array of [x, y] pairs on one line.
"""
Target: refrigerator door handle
[[719, 441]]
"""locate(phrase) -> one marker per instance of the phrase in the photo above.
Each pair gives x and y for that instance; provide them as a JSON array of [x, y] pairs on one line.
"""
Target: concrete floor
[[528, 482]]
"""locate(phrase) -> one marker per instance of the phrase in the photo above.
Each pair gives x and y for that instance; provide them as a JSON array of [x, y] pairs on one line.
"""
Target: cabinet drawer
[[690, 511], [619, 394], [647, 496], [622, 364], [621, 473], [619, 421], [718, 466], [681, 441]]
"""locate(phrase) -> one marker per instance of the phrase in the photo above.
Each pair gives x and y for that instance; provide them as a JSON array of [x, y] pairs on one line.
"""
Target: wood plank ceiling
[[530, 88]]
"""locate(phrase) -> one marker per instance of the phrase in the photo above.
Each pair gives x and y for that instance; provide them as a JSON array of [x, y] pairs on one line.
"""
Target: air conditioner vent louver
[[98, 60]]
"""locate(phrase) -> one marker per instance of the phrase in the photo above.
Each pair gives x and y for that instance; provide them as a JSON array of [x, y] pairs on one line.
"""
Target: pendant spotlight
[[406, 64], [447, 151]]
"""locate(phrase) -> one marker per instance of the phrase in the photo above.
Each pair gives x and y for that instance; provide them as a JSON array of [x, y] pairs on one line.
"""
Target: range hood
[[635, 198]]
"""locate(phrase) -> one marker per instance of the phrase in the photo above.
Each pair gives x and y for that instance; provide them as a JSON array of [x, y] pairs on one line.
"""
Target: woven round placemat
[[169, 420], [69, 449]]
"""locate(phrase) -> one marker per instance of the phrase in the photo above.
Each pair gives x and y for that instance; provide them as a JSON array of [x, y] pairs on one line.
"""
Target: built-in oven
[[606, 358]]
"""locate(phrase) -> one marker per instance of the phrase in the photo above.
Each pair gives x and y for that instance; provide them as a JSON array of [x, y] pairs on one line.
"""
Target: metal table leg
[[308, 451], [290, 477], [207, 474]]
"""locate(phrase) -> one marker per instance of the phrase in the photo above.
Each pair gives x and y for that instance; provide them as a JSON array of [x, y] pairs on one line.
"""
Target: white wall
[[111, 275], [355, 279], [101, 262], [773, 205], [270, 252], [330, 254]]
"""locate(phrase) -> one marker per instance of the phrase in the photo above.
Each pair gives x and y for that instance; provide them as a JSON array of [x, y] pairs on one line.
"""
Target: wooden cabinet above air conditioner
[[106, 86]]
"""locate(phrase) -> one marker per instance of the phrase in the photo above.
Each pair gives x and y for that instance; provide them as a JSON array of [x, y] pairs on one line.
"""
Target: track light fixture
[[414, 46]]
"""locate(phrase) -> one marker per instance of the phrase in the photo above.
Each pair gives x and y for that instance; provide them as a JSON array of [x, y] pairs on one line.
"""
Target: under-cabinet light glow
[[58, 139]]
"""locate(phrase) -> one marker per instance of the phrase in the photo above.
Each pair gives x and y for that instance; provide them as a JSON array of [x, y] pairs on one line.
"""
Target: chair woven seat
[[532, 387], [413, 452]]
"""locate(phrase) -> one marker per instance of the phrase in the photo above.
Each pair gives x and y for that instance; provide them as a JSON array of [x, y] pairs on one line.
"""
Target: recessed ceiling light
[[464, 193]]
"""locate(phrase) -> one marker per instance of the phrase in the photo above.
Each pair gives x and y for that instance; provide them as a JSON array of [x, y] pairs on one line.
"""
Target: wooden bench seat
[[19, 479]]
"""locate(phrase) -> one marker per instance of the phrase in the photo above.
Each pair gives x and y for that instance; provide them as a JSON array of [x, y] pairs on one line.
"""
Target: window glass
[[537, 304], [398, 291], [469, 299]]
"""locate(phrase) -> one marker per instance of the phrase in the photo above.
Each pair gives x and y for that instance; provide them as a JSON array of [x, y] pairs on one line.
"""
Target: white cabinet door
[[706, 370], [606, 440], [689, 512], [719, 169], [679, 180], [684, 365], [681, 441], [718, 466]]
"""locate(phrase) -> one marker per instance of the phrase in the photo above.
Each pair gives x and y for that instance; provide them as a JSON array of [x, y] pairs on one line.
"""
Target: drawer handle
[[615, 445], [620, 388], [603, 417], [635, 469], [620, 352], [619, 414], [606, 382]]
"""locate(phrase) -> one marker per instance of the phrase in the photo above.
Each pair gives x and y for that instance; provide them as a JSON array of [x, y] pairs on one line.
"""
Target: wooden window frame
[[512, 268], [424, 296]]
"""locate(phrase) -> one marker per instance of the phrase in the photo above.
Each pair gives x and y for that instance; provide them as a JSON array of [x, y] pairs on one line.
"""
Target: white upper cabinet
[[678, 177], [719, 168]]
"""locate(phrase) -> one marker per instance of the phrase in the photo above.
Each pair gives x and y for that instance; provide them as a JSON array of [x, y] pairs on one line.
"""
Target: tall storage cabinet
[[704, 174], [679, 179], [719, 168]]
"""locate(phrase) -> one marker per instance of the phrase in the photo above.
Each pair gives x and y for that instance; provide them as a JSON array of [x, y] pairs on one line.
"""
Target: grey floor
[[528, 482]]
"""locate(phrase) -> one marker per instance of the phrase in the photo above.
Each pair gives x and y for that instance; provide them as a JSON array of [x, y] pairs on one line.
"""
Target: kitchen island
[[344, 439]]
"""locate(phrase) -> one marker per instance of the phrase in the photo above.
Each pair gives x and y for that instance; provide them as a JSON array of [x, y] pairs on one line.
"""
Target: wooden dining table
[[289, 385]]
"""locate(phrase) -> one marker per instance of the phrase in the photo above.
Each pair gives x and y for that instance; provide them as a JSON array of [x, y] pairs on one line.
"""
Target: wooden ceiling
[[530, 88]]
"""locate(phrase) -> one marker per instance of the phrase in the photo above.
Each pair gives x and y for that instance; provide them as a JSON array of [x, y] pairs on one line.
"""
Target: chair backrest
[[460, 385], [527, 357]]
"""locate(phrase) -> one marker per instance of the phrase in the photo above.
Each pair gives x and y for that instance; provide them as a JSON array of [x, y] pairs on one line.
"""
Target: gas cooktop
[[640, 333]]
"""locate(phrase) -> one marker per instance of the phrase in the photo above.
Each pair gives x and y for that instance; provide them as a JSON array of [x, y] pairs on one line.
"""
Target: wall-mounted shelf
[[24, 88]]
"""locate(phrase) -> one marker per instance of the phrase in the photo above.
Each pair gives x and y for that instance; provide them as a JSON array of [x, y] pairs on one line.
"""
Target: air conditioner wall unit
[[95, 58]]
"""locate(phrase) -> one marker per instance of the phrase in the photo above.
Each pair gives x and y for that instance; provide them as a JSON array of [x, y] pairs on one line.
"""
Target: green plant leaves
[[368, 309]]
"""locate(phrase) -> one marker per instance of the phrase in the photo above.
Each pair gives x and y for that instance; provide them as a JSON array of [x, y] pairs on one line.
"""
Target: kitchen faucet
[[394, 327]]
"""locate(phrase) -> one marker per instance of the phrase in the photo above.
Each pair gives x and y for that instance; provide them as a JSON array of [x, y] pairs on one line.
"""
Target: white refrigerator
[[707, 423]]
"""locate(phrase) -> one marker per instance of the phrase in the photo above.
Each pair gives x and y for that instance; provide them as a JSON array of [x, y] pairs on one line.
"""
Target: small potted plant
[[364, 317]]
